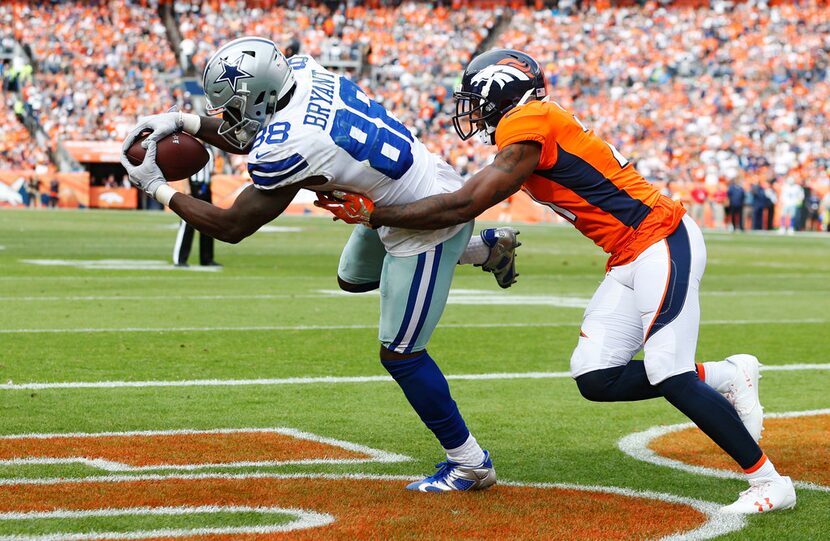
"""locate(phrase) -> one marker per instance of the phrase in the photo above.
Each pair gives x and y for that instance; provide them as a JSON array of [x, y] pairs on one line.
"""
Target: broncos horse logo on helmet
[[493, 83]]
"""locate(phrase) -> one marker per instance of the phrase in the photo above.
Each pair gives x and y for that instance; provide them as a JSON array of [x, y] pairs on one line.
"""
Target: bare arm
[[495, 183], [251, 210]]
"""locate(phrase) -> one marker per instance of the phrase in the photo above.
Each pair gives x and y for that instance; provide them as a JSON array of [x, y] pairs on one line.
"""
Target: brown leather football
[[179, 155]]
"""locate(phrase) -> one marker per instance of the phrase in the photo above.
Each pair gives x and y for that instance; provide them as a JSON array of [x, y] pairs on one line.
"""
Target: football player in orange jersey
[[649, 298]]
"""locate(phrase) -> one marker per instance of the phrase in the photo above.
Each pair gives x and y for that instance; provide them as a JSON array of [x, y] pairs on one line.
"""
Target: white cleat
[[743, 393], [763, 496]]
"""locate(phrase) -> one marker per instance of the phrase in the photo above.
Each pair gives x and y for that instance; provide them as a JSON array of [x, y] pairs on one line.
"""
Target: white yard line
[[77, 298], [806, 321], [461, 295], [322, 380], [716, 524], [636, 445]]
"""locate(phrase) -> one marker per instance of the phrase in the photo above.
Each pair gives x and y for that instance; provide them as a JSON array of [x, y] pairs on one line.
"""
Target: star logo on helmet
[[231, 73]]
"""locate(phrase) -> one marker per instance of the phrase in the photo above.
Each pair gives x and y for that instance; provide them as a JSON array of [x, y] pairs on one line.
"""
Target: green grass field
[[269, 314]]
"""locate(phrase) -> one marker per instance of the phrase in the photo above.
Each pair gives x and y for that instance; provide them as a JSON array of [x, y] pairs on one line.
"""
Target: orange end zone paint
[[798, 447], [382, 509], [176, 449]]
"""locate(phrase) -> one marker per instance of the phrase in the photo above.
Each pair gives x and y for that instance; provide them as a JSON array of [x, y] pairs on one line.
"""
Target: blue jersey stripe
[[410, 304], [680, 255], [275, 167], [582, 178], [260, 180], [432, 278]]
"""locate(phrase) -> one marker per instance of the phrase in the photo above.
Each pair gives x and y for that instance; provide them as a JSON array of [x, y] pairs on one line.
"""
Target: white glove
[[161, 125], [146, 176]]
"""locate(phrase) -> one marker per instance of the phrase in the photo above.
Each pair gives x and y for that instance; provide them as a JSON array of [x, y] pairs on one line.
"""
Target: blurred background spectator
[[700, 94]]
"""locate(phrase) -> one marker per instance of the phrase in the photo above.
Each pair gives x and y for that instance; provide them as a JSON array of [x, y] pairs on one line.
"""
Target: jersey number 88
[[386, 147]]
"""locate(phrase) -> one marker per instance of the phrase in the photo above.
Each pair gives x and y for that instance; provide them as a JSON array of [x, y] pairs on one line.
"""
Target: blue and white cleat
[[501, 262], [451, 476]]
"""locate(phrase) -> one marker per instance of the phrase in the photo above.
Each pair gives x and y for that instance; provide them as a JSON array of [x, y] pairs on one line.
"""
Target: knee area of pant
[[592, 386], [352, 287]]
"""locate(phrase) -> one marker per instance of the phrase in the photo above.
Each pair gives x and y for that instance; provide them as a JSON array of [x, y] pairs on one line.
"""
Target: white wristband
[[190, 122], [164, 194]]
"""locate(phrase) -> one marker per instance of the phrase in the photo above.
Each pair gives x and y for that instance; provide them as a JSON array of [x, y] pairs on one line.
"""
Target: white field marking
[[75, 298], [483, 297], [322, 380], [716, 524], [279, 229], [636, 445], [118, 264], [304, 519], [769, 293], [375, 455], [535, 324], [795, 366], [593, 281], [263, 229], [763, 233], [460, 296]]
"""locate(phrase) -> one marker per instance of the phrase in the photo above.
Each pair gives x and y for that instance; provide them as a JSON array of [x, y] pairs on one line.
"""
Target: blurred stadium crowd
[[724, 104]]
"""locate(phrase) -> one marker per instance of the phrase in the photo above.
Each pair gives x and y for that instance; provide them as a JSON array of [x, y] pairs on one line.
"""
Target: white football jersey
[[331, 129]]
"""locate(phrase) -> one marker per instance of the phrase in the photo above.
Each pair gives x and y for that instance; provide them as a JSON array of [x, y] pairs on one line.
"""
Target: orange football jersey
[[588, 182]]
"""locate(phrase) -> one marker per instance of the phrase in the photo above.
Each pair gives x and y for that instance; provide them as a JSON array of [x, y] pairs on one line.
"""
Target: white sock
[[717, 375], [766, 471], [468, 453], [476, 253]]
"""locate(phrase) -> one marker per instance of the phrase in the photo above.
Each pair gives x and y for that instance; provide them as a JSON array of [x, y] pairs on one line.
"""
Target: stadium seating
[[100, 65], [694, 95], [18, 151], [695, 92]]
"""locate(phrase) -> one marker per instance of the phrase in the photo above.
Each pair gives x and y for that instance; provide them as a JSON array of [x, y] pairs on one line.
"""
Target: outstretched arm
[[250, 211], [495, 183]]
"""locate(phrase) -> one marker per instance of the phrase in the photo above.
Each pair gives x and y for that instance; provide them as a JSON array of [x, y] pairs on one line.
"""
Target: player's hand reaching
[[352, 208], [161, 125], [148, 175]]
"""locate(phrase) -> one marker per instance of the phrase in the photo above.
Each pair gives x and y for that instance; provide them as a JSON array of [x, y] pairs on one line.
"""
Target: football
[[179, 155]]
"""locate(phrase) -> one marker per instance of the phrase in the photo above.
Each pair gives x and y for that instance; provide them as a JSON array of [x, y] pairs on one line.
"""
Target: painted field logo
[[155, 486], [795, 441], [186, 449]]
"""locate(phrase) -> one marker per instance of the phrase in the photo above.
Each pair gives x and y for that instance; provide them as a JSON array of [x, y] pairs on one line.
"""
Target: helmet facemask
[[236, 129], [475, 115], [492, 84]]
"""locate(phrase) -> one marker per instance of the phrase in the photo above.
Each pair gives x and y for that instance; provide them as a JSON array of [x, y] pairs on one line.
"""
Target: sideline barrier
[[73, 188]]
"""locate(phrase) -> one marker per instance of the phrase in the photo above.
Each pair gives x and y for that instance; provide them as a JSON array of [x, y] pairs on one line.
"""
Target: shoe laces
[[444, 469], [757, 487]]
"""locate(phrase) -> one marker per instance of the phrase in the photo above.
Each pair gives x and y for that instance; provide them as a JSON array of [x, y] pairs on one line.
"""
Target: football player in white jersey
[[303, 126]]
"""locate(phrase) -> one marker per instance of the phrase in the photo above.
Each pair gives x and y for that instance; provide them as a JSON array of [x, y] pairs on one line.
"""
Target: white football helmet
[[245, 81]]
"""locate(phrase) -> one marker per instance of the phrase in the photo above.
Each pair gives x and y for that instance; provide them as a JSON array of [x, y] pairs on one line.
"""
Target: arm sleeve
[[269, 173], [529, 122], [281, 165]]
